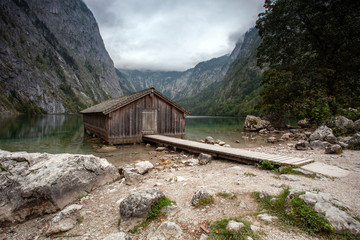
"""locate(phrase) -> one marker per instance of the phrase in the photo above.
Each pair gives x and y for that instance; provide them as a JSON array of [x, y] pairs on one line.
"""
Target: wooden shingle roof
[[111, 105]]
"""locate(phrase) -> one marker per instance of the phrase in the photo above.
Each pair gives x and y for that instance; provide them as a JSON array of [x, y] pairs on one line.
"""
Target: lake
[[65, 134]]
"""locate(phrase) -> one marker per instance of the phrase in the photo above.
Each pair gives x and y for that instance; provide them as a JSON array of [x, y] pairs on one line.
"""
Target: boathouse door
[[149, 121]]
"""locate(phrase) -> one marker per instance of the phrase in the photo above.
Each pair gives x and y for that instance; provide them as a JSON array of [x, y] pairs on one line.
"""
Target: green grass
[[268, 165], [205, 201], [250, 174], [226, 195], [154, 212], [296, 213], [218, 230]]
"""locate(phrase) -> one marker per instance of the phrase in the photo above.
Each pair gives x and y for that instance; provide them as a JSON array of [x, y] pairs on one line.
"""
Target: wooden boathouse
[[126, 119]]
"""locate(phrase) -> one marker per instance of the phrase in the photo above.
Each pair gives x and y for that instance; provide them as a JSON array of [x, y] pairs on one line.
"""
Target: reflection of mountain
[[23, 126]]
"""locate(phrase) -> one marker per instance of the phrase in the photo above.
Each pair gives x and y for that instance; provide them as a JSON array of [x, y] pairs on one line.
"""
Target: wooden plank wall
[[125, 124]]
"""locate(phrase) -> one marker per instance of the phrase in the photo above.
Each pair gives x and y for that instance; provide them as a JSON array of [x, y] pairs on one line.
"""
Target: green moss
[[250, 174], [218, 230], [296, 213], [205, 201], [268, 165], [154, 212], [226, 195]]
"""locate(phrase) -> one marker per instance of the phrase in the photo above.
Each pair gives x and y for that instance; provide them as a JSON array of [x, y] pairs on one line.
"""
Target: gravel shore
[[179, 182]]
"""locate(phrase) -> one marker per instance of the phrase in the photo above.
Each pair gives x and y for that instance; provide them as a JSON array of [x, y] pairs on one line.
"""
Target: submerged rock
[[253, 123], [33, 184]]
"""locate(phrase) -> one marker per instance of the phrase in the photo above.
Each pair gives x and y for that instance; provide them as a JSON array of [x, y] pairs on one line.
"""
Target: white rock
[[234, 226], [143, 167], [266, 217], [167, 230], [117, 236]]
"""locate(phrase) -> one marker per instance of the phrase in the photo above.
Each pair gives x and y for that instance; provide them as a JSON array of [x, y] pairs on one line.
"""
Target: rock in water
[[33, 184], [253, 123]]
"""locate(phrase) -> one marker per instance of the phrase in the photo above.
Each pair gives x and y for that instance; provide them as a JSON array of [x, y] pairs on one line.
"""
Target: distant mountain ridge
[[52, 58], [175, 84], [228, 85]]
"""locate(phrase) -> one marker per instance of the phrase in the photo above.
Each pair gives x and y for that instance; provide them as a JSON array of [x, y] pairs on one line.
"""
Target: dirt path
[[101, 207]]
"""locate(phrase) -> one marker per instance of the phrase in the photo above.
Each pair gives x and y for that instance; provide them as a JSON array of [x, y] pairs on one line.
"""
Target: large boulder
[[323, 133], [357, 125], [33, 184], [355, 139], [344, 125], [335, 211], [139, 203], [254, 124]]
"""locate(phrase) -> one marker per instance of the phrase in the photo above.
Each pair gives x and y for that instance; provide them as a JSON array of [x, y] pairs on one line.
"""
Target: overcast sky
[[171, 34]]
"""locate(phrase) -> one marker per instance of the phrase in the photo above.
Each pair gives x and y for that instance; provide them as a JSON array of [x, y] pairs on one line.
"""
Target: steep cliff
[[238, 91], [52, 57]]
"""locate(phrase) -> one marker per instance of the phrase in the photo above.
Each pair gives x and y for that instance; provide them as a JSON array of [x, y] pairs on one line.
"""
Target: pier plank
[[235, 154]]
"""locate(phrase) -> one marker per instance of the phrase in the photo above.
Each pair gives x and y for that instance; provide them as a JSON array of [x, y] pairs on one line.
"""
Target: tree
[[310, 53]]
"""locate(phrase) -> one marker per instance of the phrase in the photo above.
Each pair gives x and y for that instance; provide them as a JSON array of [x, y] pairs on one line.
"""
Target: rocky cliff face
[[238, 90], [52, 57]]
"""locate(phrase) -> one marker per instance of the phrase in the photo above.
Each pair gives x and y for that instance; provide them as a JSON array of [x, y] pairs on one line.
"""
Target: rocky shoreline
[[178, 176], [62, 196]]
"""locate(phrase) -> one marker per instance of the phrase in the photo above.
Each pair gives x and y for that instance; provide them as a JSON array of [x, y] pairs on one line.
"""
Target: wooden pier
[[235, 154]]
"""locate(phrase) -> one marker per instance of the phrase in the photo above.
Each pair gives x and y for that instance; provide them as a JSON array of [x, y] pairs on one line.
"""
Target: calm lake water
[[65, 133]]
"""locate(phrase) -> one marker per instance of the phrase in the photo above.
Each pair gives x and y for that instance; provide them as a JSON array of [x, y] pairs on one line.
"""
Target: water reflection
[[65, 134], [47, 133]]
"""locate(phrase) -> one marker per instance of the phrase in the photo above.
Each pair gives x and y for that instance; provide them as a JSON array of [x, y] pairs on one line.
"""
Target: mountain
[[176, 85], [239, 91], [227, 85], [52, 58]]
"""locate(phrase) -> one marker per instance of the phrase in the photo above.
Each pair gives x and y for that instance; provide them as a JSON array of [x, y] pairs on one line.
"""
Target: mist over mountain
[[227, 85]]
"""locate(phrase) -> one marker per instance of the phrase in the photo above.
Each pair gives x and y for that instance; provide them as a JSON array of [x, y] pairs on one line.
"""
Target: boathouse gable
[[126, 119]]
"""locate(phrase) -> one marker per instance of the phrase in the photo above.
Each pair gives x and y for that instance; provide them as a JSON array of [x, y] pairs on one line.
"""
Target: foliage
[[154, 212], [294, 212], [354, 146], [218, 230], [226, 195], [268, 165], [310, 55], [205, 201]]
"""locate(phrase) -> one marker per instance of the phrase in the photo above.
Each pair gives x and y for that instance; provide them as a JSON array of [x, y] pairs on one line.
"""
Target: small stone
[[265, 217], [234, 226], [209, 140], [160, 149], [255, 228], [271, 140], [148, 145], [333, 149], [204, 158], [117, 236], [143, 167], [288, 177], [302, 145], [198, 196], [203, 237]]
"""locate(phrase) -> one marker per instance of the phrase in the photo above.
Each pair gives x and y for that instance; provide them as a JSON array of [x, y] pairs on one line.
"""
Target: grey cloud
[[171, 34]]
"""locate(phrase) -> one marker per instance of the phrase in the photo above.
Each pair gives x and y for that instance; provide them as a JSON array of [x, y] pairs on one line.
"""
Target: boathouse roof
[[111, 105]]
